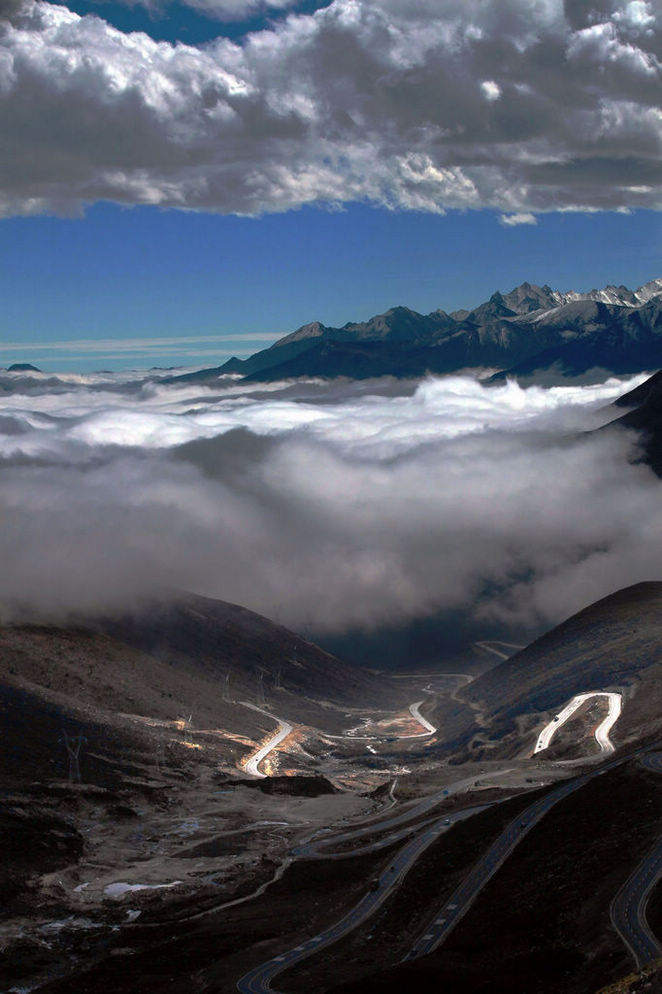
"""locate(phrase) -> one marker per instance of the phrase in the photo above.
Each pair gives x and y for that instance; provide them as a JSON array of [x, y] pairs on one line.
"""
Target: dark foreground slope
[[614, 644], [121, 771], [540, 926]]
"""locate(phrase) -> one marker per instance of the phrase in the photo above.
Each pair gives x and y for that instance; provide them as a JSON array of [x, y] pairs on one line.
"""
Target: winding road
[[258, 980], [457, 905], [601, 732], [284, 728], [415, 713], [628, 909], [317, 849]]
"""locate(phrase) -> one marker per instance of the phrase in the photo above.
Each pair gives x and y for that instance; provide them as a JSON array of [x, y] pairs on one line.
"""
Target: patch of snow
[[188, 827], [71, 922], [119, 889]]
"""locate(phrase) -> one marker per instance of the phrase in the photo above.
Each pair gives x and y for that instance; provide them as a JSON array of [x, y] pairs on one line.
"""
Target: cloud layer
[[325, 506], [235, 10], [419, 104]]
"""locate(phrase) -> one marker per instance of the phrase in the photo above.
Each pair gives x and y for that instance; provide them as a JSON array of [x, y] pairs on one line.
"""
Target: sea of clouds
[[326, 506]]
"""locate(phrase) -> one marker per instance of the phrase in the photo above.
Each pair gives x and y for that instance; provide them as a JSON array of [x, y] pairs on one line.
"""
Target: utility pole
[[260, 688], [72, 745]]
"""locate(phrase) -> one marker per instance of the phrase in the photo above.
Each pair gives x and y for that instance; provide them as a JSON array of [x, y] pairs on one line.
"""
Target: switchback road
[[628, 909], [415, 713], [601, 732]]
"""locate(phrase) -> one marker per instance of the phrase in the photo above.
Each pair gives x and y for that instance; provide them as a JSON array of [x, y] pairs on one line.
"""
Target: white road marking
[[601, 732]]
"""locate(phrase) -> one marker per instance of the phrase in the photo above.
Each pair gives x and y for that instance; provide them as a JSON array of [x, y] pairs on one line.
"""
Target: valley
[[295, 843]]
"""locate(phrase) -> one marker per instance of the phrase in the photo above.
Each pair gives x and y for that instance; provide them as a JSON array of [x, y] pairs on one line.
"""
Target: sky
[[181, 182]]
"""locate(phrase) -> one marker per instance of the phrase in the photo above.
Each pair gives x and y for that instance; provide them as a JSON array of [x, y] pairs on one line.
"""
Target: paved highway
[[258, 980], [284, 728], [601, 732], [453, 910], [317, 848], [628, 909], [415, 713]]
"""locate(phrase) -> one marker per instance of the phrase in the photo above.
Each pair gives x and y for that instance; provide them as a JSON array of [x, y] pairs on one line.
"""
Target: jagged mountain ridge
[[530, 328]]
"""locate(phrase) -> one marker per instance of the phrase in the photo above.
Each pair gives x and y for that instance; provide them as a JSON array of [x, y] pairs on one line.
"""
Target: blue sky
[[143, 274], [385, 153], [179, 22]]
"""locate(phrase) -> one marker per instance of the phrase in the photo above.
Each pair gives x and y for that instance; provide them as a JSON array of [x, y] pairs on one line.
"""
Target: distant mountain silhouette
[[22, 367], [525, 332]]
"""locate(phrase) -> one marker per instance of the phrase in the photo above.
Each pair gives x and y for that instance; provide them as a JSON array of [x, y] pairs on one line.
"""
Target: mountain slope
[[645, 417], [585, 335], [614, 643], [212, 638], [129, 685], [530, 328]]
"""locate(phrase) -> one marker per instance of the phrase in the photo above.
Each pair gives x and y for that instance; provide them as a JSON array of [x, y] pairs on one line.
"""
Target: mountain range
[[529, 331]]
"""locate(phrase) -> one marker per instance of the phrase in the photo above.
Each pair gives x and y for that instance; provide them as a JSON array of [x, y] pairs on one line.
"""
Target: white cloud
[[491, 90], [380, 102], [512, 220], [637, 15], [367, 508], [237, 10]]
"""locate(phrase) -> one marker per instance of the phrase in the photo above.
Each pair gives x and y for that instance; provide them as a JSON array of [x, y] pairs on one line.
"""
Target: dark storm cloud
[[518, 105], [9, 8]]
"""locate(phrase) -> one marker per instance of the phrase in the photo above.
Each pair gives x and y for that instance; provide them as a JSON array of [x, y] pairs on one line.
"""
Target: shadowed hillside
[[616, 642], [645, 417]]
